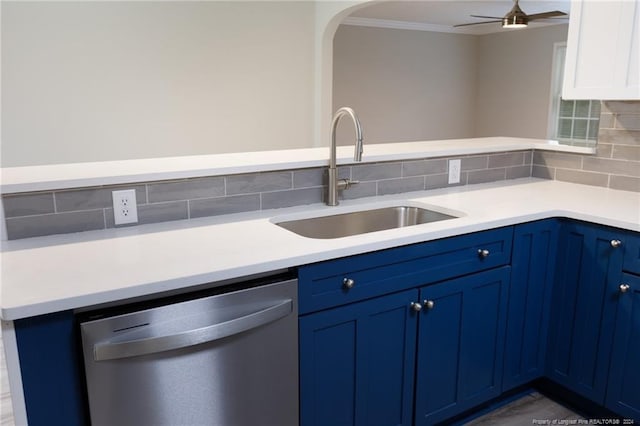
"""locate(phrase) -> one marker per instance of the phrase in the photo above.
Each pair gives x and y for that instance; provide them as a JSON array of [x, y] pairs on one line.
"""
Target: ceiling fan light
[[515, 21]]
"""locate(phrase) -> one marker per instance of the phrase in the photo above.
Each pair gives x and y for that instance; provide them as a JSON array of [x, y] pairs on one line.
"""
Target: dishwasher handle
[[108, 351]]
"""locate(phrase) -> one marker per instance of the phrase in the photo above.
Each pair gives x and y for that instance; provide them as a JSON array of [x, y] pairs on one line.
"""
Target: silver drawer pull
[[348, 283], [624, 288], [416, 306], [429, 304], [483, 253], [616, 243]]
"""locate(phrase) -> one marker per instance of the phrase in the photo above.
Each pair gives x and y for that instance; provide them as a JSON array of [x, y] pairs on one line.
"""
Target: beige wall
[[514, 81], [416, 85], [405, 85], [91, 81]]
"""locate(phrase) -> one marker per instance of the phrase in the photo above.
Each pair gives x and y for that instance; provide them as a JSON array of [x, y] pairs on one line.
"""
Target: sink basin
[[361, 222]]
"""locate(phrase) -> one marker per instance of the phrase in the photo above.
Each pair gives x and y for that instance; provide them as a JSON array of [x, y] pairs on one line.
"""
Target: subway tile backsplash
[[616, 165], [45, 213]]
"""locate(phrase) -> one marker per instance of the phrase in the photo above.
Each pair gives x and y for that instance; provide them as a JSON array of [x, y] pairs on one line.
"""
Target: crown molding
[[403, 25]]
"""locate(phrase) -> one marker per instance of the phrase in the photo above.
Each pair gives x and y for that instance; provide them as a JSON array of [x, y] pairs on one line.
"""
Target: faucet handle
[[347, 183]]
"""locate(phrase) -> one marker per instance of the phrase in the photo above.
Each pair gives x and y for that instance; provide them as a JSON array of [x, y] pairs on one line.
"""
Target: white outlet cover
[[454, 171], [125, 208]]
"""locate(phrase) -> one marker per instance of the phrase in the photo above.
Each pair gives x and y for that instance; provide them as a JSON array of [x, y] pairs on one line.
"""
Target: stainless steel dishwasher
[[227, 359]]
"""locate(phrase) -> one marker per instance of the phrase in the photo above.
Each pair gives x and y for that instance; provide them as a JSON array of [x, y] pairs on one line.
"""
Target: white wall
[[91, 81], [405, 85], [514, 81]]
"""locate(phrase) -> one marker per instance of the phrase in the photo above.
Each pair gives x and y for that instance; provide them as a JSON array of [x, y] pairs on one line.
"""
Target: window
[[570, 122]]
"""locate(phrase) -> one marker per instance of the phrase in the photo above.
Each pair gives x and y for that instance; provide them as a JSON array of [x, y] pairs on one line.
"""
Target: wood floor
[[530, 409]]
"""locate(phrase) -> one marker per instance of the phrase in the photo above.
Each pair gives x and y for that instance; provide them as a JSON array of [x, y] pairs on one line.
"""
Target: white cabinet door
[[603, 47]]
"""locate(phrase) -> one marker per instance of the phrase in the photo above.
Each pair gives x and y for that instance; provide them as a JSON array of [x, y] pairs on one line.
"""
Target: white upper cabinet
[[603, 48]]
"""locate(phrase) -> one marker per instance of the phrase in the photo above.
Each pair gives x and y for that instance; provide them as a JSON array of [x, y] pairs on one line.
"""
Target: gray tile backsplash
[[45, 213], [585, 178], [294, 197], [616, 165], [624, 183], [308, 178], [56, 223], [361, 190], [92, 198], [153, 213], [186, 189], [224, 205], [441, 181], [424, 167], [487, 175], [518, 171], [376, 171], [474, 163], [252, 183], [397, 186], [626, 152], [509, 159], [28, 204]]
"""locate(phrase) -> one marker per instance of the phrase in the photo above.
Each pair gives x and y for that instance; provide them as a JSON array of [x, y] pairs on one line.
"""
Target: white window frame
[[557, 71]]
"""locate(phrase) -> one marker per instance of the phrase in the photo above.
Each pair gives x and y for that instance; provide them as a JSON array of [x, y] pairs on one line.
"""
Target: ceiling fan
[[516, 18]]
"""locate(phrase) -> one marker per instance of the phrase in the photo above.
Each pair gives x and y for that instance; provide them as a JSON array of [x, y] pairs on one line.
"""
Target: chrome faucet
[[334, 183]]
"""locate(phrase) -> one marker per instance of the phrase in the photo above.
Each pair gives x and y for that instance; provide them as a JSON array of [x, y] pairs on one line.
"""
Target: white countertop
[[64, 176], [49, 274]]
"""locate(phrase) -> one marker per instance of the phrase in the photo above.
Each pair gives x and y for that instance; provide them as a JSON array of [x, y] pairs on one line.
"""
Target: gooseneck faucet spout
[[334, 183]]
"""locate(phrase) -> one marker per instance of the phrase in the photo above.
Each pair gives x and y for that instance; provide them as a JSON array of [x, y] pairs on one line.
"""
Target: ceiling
[[441, 15]]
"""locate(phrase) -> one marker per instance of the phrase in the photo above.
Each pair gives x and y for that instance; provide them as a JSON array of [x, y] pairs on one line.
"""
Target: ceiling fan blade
[[488, 17], [476, 23], [545, 15]]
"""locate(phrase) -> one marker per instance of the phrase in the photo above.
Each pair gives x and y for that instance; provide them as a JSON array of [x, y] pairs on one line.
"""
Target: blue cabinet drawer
[[345, 280], [632, 253]]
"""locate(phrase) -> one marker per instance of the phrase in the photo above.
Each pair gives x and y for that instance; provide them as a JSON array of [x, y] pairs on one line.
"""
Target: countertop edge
[[65, 176]]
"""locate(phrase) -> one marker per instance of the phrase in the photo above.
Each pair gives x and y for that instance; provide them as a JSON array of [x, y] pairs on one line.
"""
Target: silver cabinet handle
[[348, 283], [483, 253], [429, 304], [616, 243], [624, 288], [416, 306], [107, 351]]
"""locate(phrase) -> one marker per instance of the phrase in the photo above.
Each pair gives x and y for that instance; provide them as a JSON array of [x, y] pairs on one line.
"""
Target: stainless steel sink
[[362, 222]]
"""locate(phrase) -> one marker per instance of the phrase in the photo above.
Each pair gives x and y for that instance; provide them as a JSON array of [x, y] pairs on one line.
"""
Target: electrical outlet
[[125, 209], [454, 171]]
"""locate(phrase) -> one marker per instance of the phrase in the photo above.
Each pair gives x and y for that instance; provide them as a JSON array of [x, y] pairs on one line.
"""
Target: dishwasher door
[[229, 360]]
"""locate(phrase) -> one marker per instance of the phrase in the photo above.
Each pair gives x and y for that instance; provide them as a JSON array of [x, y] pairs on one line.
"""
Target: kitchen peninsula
[[124, 264]]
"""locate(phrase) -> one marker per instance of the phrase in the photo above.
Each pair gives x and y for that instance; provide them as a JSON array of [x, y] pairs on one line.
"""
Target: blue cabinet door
[[583, 309], [51, 367], [460, 344], [532, 273], [357, 363], [632, 254], [623, 392]]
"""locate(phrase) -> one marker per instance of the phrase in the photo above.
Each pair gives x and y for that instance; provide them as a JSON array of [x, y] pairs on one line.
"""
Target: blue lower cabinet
[[460, 344], [357, 363], [623, 391], [584, 307], [632, 253], [532, 272], [51, 368]]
